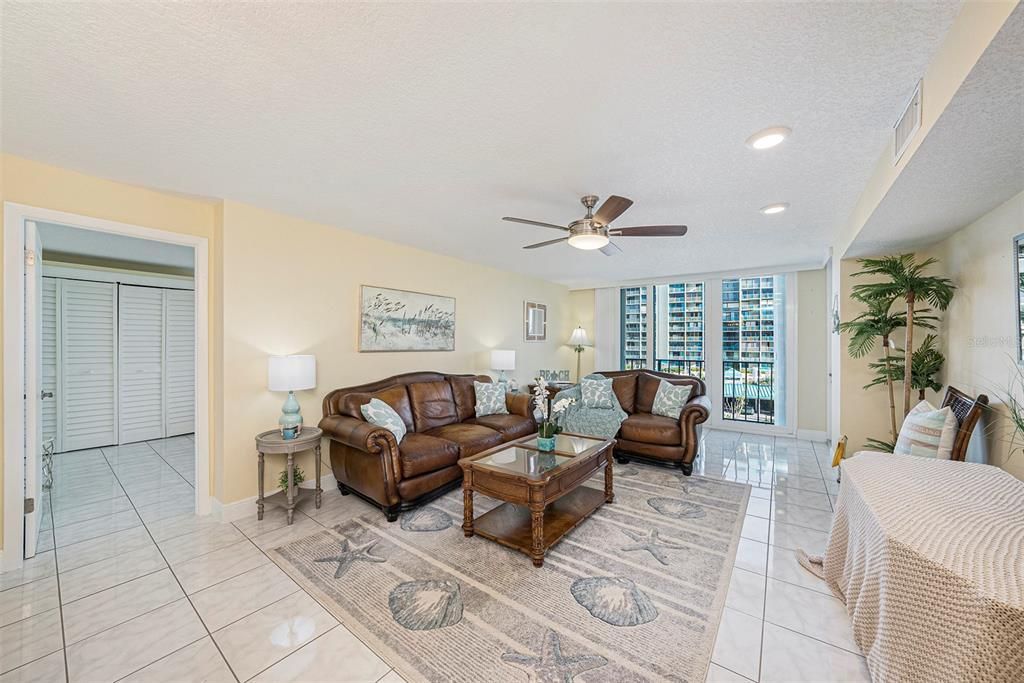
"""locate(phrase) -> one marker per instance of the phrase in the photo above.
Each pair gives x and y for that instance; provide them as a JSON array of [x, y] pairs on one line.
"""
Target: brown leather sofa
[[439, 412], [655, 438]]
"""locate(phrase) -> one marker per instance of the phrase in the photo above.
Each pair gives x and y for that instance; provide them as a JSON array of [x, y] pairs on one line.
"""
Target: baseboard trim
[[240, 509], [812, 435]]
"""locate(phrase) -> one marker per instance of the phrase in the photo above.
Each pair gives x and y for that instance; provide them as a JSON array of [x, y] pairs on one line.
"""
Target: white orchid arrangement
[[548, 410]]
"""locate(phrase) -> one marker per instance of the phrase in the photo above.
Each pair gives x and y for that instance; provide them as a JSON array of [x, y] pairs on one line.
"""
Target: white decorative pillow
[[596, 393], [379, 413], [928, 432], [490, 398], [670, 399]]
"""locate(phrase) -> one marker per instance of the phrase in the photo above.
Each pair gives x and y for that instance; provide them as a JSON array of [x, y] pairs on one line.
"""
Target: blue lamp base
[[291, 418]]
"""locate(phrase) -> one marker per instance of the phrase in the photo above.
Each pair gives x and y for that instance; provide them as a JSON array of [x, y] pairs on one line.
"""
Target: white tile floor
[[129, 585]]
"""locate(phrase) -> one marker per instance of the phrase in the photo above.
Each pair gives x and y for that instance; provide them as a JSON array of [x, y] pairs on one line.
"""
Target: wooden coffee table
[[543, 491]]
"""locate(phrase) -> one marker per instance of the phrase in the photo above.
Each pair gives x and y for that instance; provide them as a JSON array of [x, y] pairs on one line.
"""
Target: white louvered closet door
[[87, 391], [140, 363], [180, 361], [49, 349]]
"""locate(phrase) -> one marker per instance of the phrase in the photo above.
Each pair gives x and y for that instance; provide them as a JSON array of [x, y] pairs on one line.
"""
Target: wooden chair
[[967, 411]]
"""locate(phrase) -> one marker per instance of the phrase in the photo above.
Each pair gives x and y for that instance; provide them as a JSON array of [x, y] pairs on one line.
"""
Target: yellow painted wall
[[292, 286], [979, 329], [34, 184], [812, 350], [977, 334]]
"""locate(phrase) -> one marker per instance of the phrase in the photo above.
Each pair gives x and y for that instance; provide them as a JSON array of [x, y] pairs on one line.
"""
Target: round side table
[[272, 442]]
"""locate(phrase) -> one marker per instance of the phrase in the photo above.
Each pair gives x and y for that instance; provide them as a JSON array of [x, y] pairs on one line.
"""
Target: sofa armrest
[[358, 434], [696, 411], [519, 404]]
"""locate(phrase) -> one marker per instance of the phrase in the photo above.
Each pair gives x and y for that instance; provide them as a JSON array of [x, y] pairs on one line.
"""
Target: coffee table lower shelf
[[511, 525]]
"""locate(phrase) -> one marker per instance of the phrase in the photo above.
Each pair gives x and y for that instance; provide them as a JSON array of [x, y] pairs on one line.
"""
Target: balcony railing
[[748, 387], [748, 391]]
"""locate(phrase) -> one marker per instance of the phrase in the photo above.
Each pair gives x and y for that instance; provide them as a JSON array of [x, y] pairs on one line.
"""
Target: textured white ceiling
[[104, 245], [424, 123], [971, 161]]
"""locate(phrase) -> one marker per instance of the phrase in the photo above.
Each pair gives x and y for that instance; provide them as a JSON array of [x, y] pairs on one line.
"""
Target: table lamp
[[291, 374], [502, 360], [578, 340]]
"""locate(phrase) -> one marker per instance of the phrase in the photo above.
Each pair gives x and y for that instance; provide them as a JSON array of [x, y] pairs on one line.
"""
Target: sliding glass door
[[732, 332]]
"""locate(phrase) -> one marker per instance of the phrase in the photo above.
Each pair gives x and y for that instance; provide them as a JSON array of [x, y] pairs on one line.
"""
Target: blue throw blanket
[[602, 423]]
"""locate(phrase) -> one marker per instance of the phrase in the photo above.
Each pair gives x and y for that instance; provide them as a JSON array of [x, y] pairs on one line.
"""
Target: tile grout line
[[60, 601], [182, 588], [150, 446]]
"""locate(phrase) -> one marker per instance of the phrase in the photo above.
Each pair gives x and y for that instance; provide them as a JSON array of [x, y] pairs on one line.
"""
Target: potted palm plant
[[905, 281]]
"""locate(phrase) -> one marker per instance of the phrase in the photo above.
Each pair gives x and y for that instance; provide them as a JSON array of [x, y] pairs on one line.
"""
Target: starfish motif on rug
[[651, 543], [552, 666], [350, 554]]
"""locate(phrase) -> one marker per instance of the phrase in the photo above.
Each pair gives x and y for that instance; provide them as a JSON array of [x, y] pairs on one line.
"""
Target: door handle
[[45, 395]]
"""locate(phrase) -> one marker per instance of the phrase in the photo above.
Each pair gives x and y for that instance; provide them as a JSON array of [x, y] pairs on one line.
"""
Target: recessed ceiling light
[[767, 138], [773, 208]]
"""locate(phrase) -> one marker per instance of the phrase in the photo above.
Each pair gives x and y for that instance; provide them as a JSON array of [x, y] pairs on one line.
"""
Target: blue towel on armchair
[[602, 423]]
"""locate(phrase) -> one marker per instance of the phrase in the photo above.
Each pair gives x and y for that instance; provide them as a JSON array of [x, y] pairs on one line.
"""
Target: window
[[634, 328], [675, 323], [679, 328], [738, 346], [752, 355]]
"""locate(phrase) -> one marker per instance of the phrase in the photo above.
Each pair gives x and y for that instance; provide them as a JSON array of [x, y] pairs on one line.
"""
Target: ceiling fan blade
[[612, 208], [650, 231], [611, 249], [529, 222], [544, 244]]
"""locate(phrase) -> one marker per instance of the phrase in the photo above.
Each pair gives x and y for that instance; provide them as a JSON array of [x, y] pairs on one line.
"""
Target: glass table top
[[568, 444], [525, 461]]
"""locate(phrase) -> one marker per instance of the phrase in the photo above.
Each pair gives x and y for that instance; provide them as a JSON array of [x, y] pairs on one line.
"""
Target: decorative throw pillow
[[928, 432], [379, 413], [490, 398], [670, 399], [596, 393]]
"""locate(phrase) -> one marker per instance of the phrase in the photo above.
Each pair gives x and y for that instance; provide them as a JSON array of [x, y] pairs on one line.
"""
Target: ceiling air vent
[[907, 125]]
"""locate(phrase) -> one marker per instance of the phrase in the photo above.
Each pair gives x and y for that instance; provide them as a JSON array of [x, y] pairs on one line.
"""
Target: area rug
[[635, 593]]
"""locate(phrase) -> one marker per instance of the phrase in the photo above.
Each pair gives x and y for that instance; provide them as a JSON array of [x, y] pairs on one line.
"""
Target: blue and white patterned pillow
[[927, 432], [379, 413], [490, 398], [670, 399], [596, 393]]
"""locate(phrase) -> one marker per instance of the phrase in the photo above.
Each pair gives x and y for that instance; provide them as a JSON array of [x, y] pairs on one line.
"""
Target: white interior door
[[33, 387], [140, 341], [180, 361], [87, 389], [51, 432]]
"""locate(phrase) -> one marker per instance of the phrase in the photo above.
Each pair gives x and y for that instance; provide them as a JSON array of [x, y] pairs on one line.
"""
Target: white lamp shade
[[579, 337], [291, 373], [503, 359]]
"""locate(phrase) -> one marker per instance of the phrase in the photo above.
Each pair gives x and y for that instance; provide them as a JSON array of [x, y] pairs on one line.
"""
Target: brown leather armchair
[[655, 438], [439, 413]]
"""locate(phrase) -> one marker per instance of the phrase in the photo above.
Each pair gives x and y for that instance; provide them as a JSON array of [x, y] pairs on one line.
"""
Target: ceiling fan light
[[768, 138], [773, 209], [588, 241]]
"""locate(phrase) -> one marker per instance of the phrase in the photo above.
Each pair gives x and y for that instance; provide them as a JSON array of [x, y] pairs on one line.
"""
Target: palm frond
[[880, 445]]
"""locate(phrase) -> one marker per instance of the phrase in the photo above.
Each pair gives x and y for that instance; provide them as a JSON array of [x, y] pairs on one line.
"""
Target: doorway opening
[[112, 346]]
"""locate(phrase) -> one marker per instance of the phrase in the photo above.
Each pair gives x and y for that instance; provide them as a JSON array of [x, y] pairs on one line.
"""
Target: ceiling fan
[[593, 232]]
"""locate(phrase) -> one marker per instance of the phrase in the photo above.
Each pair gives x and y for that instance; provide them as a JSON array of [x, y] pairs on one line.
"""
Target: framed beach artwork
[[399, 320], [535, 325]]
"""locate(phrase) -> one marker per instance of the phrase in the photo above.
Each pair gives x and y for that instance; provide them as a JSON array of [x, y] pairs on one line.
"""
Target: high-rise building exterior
[[748, 319], [679, 325], [678, 312], [634, 327]]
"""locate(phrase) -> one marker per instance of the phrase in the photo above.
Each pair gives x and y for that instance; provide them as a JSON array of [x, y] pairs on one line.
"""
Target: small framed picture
[[536, 322]]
